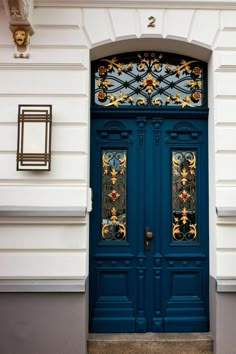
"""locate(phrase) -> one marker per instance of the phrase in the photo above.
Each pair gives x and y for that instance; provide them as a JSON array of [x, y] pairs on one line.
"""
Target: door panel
[[149, 173]]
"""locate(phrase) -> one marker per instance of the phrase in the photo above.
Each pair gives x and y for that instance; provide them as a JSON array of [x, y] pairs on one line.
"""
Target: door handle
[[148, 236]]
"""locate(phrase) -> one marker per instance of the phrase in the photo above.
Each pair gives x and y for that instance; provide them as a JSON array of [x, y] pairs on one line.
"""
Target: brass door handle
[[148, 236]]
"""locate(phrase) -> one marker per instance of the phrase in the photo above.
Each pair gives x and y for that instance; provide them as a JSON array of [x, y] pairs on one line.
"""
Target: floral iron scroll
[[114, 195], [184, 196], [149, 79]]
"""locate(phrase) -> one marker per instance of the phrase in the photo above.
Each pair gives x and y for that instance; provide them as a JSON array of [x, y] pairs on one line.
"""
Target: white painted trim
[[141, 4], [42, 66], [32, 211], [226, 211], [226, 285], [40, 220], [43, 285]]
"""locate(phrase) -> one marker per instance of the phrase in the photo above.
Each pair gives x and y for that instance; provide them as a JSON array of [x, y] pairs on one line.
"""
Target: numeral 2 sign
[[152, 21]]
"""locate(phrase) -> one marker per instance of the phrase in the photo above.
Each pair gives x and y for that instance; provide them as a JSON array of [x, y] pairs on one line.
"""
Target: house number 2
[[152, 21]]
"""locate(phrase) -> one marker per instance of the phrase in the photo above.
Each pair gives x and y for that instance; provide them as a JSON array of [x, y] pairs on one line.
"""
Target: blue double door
[[149, 224]]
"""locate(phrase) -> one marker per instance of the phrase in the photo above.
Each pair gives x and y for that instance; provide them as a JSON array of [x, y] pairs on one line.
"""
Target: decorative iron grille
[[114, 168], [149, 79], [184, 227]]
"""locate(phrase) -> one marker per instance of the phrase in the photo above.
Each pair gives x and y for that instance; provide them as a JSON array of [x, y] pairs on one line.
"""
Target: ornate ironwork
[[114, 195], [149, 79], [184, 196]]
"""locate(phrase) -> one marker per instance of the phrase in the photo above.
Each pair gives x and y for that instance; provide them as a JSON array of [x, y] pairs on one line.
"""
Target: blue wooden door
[[149, 224]]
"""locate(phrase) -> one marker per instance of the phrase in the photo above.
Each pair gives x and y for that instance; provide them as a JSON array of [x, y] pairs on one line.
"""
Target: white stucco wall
[[58, 73], [225, 148]]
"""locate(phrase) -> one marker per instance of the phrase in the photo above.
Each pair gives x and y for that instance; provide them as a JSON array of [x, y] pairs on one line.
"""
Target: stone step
[[150, 343]]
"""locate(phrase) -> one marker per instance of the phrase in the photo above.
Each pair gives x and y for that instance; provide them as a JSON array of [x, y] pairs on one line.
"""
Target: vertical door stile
[[157, 323], [141, 259]]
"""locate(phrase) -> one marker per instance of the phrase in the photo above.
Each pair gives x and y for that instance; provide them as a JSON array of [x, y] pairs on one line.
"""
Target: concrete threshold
[[150, 343]]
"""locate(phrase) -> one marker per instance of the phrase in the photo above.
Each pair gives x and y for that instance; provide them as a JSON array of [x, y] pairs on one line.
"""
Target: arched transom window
[[149, 79]]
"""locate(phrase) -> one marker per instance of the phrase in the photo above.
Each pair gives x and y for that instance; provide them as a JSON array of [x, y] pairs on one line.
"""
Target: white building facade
[[44, 215]]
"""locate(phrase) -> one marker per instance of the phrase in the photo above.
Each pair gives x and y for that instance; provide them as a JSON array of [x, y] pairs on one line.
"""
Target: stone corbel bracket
[[19, 14]]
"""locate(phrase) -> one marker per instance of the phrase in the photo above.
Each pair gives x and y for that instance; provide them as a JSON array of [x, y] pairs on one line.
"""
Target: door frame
[[167, 113]]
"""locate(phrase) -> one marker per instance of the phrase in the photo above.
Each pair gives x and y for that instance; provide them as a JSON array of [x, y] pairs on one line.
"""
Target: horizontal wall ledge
[[31, 211], [42, 66], [182, 4], [226, 285], [226, 211], [42, 285]]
